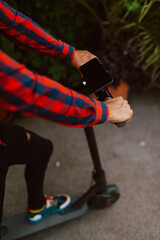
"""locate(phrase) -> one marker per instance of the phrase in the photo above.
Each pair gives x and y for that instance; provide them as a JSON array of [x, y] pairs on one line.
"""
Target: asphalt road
[[131, 159]]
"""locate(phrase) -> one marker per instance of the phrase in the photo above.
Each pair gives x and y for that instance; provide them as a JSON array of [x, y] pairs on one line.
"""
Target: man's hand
[[81, 57], [119, 110]]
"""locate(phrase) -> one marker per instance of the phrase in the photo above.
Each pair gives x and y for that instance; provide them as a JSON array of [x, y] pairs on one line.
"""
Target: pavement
[[131, 158]]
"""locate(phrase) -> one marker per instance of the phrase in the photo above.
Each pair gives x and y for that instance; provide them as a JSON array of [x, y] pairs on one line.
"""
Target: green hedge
[[135, 23], [67, 20]]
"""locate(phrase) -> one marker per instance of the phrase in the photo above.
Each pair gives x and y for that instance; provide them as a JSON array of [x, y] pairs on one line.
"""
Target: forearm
[[22, 90], [28, 34]]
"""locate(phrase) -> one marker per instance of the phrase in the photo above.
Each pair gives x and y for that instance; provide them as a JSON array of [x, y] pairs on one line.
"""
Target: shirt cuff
[[102, 112], [66, 52]]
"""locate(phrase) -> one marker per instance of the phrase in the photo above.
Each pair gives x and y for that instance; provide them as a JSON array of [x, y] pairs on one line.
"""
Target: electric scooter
[[100, 195]]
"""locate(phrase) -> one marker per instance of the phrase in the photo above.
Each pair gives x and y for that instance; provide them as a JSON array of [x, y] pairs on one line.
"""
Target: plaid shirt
[[35, 95]]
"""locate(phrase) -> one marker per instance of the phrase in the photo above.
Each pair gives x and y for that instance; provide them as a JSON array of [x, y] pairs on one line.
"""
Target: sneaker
[[53, 204]]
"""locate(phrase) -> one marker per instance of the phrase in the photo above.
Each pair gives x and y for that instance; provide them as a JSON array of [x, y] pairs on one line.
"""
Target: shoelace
[[51, 201]]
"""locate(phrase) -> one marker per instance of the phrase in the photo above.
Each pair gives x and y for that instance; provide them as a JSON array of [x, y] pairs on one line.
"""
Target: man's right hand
[[119, 110]]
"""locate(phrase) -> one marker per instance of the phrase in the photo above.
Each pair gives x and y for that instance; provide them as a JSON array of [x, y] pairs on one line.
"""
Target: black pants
[[24, 147]]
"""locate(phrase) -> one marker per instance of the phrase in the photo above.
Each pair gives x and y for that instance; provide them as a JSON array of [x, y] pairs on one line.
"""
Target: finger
[[131, 114]]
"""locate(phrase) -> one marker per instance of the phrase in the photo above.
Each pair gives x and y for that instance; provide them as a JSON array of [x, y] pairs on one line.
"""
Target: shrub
[[67, 20], [135, 23]]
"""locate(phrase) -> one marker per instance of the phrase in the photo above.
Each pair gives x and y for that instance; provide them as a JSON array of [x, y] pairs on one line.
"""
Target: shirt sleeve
[[36, 95], [28, 34]]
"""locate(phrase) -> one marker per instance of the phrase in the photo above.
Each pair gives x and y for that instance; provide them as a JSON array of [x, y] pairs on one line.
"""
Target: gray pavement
[[131, 159]]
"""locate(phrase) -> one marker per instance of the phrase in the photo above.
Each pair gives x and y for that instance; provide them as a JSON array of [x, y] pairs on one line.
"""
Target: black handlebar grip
[[120, 124]]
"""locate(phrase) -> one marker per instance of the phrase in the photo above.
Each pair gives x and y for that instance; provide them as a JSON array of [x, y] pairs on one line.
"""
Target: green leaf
[[152, 59], [145, 9]]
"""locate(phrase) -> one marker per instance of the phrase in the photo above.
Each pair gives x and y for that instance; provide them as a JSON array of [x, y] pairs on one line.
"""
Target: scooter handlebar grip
[[120, 124]]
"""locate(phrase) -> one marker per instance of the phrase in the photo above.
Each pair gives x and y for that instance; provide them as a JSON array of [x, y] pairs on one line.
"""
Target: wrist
[[108, 113], [74, 57]]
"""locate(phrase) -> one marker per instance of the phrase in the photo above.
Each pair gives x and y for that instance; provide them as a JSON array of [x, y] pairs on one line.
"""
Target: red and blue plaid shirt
[[35, 95]]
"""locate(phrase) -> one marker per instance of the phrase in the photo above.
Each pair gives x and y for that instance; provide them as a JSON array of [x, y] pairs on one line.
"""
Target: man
[[35, 95]]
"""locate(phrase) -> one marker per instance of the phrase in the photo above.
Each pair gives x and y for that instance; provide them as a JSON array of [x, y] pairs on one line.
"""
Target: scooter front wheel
[[106, 199]]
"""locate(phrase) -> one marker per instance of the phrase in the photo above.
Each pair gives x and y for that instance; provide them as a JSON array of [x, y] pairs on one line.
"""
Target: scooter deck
[[18, 226]]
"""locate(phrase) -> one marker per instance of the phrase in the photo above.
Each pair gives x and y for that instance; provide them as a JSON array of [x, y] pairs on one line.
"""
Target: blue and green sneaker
[[53, 204]]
